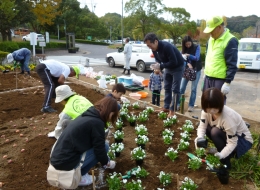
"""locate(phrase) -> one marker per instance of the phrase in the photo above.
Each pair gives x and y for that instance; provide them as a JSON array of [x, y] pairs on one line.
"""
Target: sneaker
[[190, 109], [48, 110], [86, 180], [21, 72]]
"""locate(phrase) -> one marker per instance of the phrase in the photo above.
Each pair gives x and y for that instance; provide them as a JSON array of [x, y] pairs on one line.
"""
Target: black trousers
[[156, 97], [49, 82]]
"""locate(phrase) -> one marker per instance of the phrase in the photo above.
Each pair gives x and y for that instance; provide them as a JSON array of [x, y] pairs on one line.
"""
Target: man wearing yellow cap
[[221, 57], [52, 74]]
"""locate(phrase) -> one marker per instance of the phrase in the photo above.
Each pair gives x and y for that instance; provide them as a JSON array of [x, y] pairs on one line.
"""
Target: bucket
[[128, 81], [120, 80]]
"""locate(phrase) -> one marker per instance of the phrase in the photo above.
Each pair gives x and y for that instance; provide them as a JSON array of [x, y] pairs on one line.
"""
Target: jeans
[[194, 85], [172, 81], [156, 97], [90, 160], [25, 62]]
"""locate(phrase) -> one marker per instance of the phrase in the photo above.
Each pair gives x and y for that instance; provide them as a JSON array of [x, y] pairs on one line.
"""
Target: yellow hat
[[77, 71], [212, 23]]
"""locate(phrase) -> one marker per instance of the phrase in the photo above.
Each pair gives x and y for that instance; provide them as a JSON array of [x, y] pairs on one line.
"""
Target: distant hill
[[239, 23]]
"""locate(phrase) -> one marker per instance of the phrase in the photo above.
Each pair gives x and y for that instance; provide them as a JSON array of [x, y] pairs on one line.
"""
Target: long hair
[[105, 106], [184, 40]]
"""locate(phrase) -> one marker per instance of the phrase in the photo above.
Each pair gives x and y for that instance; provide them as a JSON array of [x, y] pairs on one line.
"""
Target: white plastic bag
[[102, 82], [137, 79]]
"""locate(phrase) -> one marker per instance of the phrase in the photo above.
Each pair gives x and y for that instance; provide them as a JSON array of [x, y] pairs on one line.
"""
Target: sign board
[[42, 44], [47, 37], [33, 40]]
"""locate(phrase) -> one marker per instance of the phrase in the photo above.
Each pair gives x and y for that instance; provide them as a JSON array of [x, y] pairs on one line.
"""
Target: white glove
[[218, 155], [155, 66], [112, 164], [184, 56], [225, 88]]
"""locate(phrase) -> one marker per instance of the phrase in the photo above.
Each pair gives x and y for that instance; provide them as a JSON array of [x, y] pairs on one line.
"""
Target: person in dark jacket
[[191, 55], [86, 134], [23, 56], [170, 59]]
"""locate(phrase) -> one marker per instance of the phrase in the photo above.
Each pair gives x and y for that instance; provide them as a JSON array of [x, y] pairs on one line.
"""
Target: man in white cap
[[221, 56], [74, 104], [52, 74], [23, 56]]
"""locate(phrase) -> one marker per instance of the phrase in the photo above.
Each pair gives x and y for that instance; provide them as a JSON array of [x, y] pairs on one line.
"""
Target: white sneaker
[[190, 109], [86, 180]]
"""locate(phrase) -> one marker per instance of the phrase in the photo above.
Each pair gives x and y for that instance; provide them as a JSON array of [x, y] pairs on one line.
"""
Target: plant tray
[[134, 88]]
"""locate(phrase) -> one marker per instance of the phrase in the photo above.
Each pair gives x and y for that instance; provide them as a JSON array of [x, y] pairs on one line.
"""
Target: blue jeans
[[90, 160], [194, 85], [172, 81], [25, 62]]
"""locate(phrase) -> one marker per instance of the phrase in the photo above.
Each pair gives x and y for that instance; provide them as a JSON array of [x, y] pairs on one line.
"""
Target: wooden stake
[[178, 185], [93, 179]]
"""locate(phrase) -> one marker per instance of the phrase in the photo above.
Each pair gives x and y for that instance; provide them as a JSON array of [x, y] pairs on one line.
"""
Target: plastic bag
[[102, 82], [137, 79]]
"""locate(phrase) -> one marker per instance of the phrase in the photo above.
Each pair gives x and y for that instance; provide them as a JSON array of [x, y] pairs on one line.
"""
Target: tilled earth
[[25, 147]]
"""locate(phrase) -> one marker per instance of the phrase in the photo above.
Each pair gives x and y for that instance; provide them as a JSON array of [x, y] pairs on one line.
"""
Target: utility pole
[[122, 25], [110, 33]]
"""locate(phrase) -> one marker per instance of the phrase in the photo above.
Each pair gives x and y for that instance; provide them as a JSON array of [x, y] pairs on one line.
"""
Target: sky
[[199, 9]]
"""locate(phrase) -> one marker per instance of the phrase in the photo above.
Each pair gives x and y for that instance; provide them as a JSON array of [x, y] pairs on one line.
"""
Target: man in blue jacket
[[169, 58], [22, 55]]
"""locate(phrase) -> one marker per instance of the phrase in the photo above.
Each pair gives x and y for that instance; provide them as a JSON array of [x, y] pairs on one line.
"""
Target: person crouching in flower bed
[[224, 126], [86, 134]]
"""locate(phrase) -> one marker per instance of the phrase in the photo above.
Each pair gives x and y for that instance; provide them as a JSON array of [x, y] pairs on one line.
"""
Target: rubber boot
[[128, 71], [124, 71], [28, 72]]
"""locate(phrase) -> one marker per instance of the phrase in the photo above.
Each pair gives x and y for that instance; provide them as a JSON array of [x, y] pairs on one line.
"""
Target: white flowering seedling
[[165, 178]]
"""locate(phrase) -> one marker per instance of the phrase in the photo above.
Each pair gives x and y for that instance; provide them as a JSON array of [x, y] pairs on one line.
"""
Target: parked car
[[142, 57], [249, 54], [40, 38]]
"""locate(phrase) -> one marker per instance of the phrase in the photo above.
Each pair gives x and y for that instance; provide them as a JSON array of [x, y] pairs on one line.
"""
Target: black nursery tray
[[134, 88]]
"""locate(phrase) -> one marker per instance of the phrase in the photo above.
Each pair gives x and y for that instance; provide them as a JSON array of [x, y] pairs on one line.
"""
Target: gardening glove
[[225, 88], [184, 56], [218, 155], [155, 66], [112, 164], [195, 141]]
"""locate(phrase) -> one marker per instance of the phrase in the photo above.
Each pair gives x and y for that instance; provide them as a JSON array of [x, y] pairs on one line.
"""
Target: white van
[[249, 53]]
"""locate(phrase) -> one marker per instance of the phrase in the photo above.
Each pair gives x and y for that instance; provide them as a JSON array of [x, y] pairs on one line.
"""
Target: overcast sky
[[199, 9]]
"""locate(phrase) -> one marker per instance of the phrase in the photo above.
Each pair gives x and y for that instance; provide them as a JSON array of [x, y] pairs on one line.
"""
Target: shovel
[[192, 156], [129, 173]]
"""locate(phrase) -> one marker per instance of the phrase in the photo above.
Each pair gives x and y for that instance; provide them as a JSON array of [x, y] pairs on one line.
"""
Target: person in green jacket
[[74, 104], [221, 56]]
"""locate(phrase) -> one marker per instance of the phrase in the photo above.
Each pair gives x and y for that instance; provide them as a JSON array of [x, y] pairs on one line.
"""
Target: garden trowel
[[192, 156], [129, 173]]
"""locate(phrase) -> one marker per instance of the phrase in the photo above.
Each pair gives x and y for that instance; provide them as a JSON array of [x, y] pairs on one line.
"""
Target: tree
[[45, 13], [177, 23], [144, 16], [113, 20], [7, 14]]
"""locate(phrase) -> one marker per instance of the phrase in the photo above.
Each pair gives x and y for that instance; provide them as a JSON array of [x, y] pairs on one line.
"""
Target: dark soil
[[23, 126]]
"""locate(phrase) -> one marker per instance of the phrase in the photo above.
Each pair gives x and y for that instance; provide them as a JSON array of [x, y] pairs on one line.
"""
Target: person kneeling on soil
[[117, 91], [224, 126], [86, 134], [75, 105], [22, 55], [52, 74]]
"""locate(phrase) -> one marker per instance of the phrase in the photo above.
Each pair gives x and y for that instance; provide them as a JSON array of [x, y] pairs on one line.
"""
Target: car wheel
[[140, 66], [111, 62]]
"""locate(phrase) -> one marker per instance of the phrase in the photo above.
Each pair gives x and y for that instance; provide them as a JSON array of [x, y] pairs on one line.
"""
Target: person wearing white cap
[[221, 56], [52, 74], [74, 104], [23, 56]]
